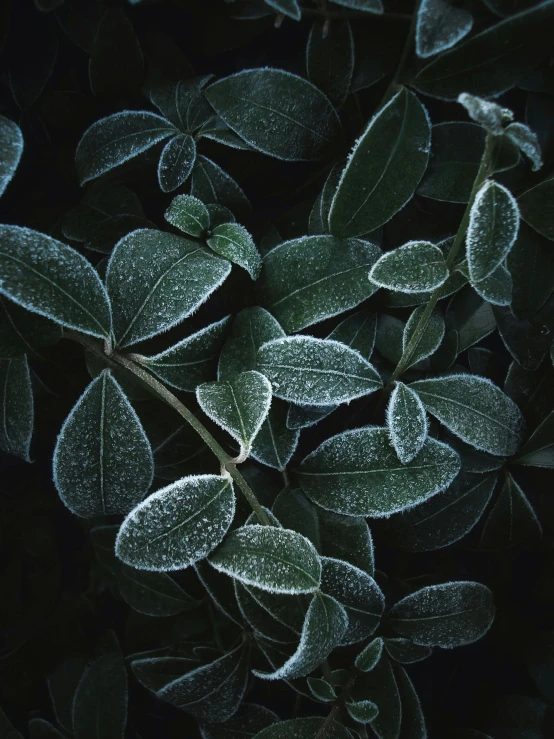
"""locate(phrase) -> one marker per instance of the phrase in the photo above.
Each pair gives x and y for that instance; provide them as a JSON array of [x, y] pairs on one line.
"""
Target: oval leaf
[[370, 655], [512, 521], [176, 162], [330, 58], [431, 338], [440, 26], [16, 401], [11, 149], [251, 328], [416, 267], [406, 422], [232, 241], [189, 215]]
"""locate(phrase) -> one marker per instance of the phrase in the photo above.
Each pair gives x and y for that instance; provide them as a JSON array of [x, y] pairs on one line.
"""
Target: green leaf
[[219, 215], [496, 288], [444, 519], [370, 655], [358, 331], [472, 318], [116, 66], [390, 331], [22, 332], [384, 168], [369, 6], [249, 720], [439, 27], [324, 627], [303, 369], [448, 615], [276, 112], [347, 538], [273, 559], [157, 279], [103, 461], [285, 610], [275, 443], [303, 416], [416, 267], [114, 140], [176, 162], [526, 340], [491, 116], [189, 215], [475, 410], [530, 262], [260, 619], [287, 7], [431, 338], [492, 61], [251, 328], [100, 703], [221, 590], [536, 208], [232, 241], [41, 729], [406, 422], [153, 593], [538, 450], [512, 521], [330, 59], [16, 400], [380, 686], [239, 405], [192, 360], [211, 184], [11, 148], [364, 711], [492, 230], [405, 651], [49, 278], [192, 108], [321, 690], [294, 511], [168, 531], [527, 141], [413, 720], [303, 728], [312, 278]]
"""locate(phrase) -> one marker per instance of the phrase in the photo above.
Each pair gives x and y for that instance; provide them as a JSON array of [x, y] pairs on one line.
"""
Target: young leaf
[[384, 168], [447, 616], [406, 422], [324, 627], [440, 26], [536, 207], [416, 267], [486, 113], [492, 230], [273, 559], [347, 538], [538, 450], [380, 685], [405, 651], [156, 279], [100, 703], [364, 711], [512, 521], [276, 112], [431, 338], [232, 241], [303, 728], [370, 655], [496, 288], [357, 473], [113, 140], [275, 444], [330, 59], [249, 720], [251, 328], [153, 593], [176, 162], [211, 184], [309, 279], [189, 215], [321, 690], [103, 461], [11, 149], [239, 405], [16, 401], [287, 7], [49, 278], [475, 410], [527, 141], [303, 369]]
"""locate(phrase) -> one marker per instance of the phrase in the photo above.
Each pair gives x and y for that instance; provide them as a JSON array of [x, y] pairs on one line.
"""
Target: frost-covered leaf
[[192, 360], [303, 416], [413, 720], [406, 422], [324, 627], [22, 332], [330, 59], [496, 288], [347, 538], [321, 689], [512, 521], [277, 113], [440, 26], [379, 685], [275, 443], [49, 278], [189, 215], [16, 401], [273, 559], [358, 593], [116, 66], [370, 655], [471, 317], [475, 410], [448, 615], [312, 278], [251, 328], [287, 7], [211, 184], [249, 720], [364, 711], [153, 593], [260, 619], [486, 113], [232, 241], [217, 130], [177, 525], [492, 230], [405, 651], [103, 461], [156, 279], [390, 332], [303, 369], [431, 338], [444, 519], [221, 590], [100, 703], [536, 207], [538, 450], [294, 511], [219, 215], [285, 610], [358, 331], [368, 6], [303, 728], [384, 168], [357, 473], [176, 162], [416, 267], [11, 149], [239, 405], [527, 141], [116, 139]]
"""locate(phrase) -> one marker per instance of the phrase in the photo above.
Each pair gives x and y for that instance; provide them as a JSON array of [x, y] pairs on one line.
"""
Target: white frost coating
[[273, 559], [11, 149], [406, 422], [232, 241], [416, 267], [492, 230], [189, 215], [370, 655], [497, 287], [368, 6], [431, 338], [489, 115], [178, 525], [251, 328], [527, 141], [440, 25], [275, 443], [176, 162], [324, 626]]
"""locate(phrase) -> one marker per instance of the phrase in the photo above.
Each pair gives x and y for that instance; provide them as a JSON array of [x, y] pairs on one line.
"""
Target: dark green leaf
[[536, 207], [406, 422], [176, 162], [370, 655], [413, 720], [303, 416], [430, 339], [302, 728], [285, 610], [440, 26], [472, 318], [153, 593], [100, 704], [28, 73], [41, 729], [220, 589], [364, 712], [527, 341], [116, 67], [496, 288], [287, 7], [249, 720], [232, 241], [294, 511], [512, 521], [16, 400], [416, 267], [211, 184], [531, 262], [347, 538], [321, 690], [389, 339], [330, 59], [189, 215], [538, 450], [11, 149], [251, 328], [405, 651], [22, 332], [62, 684], [275, 443], [379, 686], [260, 619]]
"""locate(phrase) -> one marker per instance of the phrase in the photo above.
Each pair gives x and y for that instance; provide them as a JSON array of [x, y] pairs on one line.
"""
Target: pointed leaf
[[303, 416], [11, 149], [347, 538], [527, 141], [321, 690], [153, 593], [275, 443], [249, 720], [156, 279], [364, 712], [370, 655], [358, 331], [330, 59], [176, 162], [406, 422], [530, 262], [100, 703], [431, 338], [251, 328], [416, 267], [512, 521], [358, 473], [211, 184], [232, 241], [189, 215], [405, 651], [16, 401], [440, 26], [286, 610], [536, 207], [538, 450]]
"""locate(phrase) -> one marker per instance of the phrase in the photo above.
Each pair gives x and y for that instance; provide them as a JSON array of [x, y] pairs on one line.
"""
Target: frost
[[232, 241], [287, 7], [156, 279], [406, 422], [440, 26], [347, 538], [321, 689], [496, 288], [178, 525], [303, 369], [370, 655], [431, 338], [270, 558], [211, 184], [527, 141], [369, 6], [251, 328], [103, 461], [176, 162], [11, 149], [364, 711], [357, 473], [275, 443], [16, 401], [416, 267], [487, 114], [189, 215], [405, 651], [492, 231]]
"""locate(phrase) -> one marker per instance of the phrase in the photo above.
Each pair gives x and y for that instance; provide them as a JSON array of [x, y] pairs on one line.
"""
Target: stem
[[327, 725], [168, 397], [485, 169], [394, 83]]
